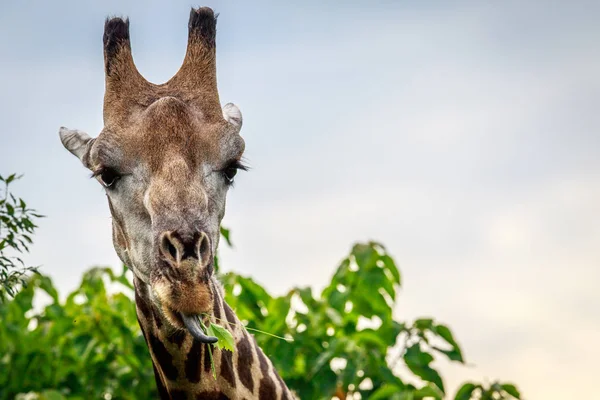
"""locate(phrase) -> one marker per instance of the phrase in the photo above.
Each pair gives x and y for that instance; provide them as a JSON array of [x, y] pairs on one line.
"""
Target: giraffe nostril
[[172, 250], [168, 248], [204, 249], [204, 245]]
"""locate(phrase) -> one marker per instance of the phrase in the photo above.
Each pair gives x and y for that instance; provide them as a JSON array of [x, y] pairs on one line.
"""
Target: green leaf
[[511, 389], [466, 391], [369, 339], [418, 362], [321, 360], [225, 341], [51, 395], [385, 392], [423, 323], [451, 354], [444, 332], [391, 266], [333, 316], [365, 255], [416, 356], [226, 235], [306, 297], [429, 391], [46, 284]]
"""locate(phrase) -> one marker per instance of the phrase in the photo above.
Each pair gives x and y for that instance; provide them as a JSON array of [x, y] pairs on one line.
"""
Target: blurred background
[[463, 136]]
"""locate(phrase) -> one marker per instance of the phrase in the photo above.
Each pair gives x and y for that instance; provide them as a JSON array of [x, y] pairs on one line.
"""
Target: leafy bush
[[16, 228], [85, 347], [90, 345], [342, 338]]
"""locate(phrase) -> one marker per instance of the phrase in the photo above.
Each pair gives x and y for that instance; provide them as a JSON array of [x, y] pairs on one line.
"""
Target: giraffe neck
[[182, 365]]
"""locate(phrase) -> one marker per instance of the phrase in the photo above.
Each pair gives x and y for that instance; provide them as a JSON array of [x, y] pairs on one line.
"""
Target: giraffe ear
[[233, 115], [77, 142]]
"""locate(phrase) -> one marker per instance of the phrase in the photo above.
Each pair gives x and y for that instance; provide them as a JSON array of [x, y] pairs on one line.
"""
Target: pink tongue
[[193, 326]]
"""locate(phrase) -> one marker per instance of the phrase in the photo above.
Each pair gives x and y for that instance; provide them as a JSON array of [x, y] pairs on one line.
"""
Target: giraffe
[[166, 157]]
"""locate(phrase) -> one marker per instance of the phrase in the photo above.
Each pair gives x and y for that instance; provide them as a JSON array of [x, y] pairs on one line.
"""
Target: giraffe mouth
[[192, 324]]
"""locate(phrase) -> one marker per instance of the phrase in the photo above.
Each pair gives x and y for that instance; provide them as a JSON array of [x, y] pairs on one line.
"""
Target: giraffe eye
[[231, 170], [108, 177], [229, 173]]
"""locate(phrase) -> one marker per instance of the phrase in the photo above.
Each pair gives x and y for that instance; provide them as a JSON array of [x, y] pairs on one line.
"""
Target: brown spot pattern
[[229, 313], [157, 318], [163, 358], [162, 390], [267, 390], [142, 305], [216, 302], [192, 362], [245, 360], [227, 367], [178, 337], [284, 391], [262, 359]]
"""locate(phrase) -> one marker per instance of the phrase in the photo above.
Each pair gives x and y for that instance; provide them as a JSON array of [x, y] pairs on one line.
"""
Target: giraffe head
[[166, 157]]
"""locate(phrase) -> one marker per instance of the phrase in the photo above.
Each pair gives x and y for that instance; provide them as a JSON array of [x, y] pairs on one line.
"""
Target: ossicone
[[116, 37], [195, 82], [203, 25]]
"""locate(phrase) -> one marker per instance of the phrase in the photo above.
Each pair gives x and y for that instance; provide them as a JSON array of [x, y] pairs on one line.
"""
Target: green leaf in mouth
[[225, 341]]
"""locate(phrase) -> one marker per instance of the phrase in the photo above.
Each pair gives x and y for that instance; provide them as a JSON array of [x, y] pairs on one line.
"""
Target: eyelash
[[232, 168], [105, 174]]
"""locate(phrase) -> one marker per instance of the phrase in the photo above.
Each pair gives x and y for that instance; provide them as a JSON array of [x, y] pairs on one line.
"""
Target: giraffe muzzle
[[181, 279]]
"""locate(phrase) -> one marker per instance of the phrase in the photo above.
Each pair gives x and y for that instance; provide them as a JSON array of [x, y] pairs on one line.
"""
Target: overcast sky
[[464, 137]]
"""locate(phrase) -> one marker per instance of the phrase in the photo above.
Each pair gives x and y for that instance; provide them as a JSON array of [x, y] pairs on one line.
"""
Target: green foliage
[[495, 391], [84, 347], [16, 228], [339, 342], [343, 337]]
